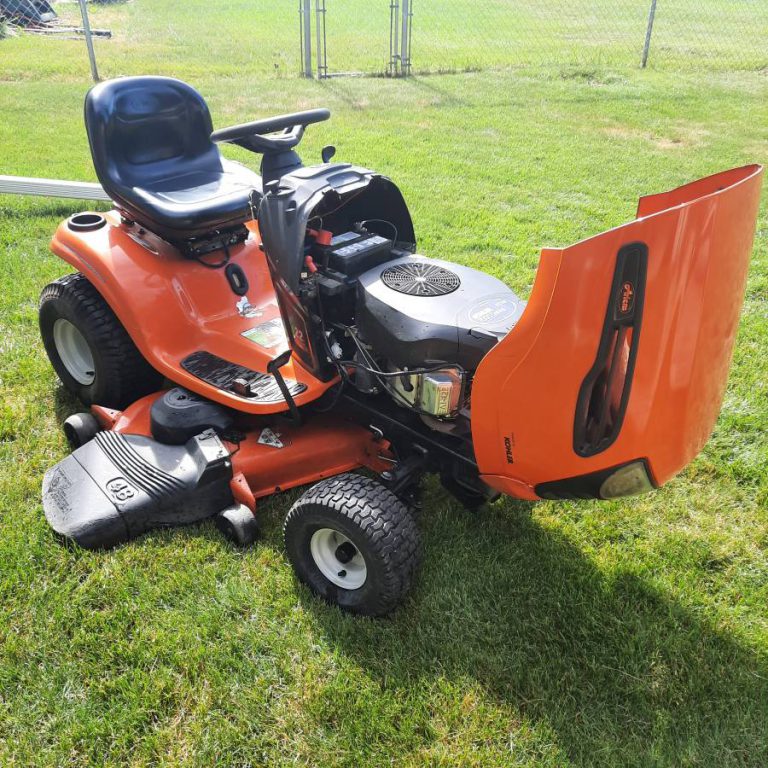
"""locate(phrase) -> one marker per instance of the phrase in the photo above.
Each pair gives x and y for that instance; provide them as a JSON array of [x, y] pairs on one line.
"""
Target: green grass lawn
[[555, 634]]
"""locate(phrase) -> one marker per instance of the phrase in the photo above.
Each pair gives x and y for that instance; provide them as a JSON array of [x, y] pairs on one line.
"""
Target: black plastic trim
[[86, 222], [237, 279], [273, 368], [624, 312], [237, 379], [585, 486], [156, 483], [116, 487], [178, 415]]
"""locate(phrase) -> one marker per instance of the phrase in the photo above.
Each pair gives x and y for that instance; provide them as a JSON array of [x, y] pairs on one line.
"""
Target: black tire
[[121, 374], [376, 522], [238, 524], [80, 428]]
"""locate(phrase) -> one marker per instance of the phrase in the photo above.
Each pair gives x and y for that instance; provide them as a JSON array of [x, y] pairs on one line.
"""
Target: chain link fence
[[457, 35], [333, 37]]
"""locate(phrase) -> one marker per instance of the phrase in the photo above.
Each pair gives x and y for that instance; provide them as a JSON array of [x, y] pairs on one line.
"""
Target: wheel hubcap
[[338, 559], [74, 352]]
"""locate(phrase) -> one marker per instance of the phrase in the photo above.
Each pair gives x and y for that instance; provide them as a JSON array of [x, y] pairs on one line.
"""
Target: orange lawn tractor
[[236, 335]]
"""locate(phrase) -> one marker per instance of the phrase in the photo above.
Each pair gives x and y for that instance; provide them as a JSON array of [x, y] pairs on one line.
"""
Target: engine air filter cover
[[419, 278]]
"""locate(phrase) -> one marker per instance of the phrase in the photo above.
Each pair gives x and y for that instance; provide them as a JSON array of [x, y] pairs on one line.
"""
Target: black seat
[[151, 147]]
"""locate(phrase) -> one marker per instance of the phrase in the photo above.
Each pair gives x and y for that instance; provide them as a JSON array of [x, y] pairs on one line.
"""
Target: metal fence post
[[89, 41], [405, 38], [322, 55], [648, 32], [305, 10], [394, 33]]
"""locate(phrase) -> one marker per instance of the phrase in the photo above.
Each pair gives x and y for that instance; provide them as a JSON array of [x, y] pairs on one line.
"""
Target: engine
[[413, 310], [419, 327], [357, 300]]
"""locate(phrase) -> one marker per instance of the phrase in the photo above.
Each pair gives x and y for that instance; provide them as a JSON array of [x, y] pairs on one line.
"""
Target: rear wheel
[[89, 349], [354, 543]]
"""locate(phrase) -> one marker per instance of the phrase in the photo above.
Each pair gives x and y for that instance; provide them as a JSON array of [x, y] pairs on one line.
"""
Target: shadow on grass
[[348, 91], [342, 90], [65, 403], [431, 88], [618, 671]]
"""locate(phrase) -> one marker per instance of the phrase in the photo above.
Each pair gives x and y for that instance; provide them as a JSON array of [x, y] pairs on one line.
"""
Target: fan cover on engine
[[420, 279]]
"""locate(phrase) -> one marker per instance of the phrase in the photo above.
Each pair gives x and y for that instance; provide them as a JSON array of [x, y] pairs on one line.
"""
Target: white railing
[[77, 190]]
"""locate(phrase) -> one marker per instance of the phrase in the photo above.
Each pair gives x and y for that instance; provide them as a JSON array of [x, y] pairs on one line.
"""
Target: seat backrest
[[143, 130]]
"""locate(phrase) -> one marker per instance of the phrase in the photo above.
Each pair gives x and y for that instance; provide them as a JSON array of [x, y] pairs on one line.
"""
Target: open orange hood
[[613, 378]]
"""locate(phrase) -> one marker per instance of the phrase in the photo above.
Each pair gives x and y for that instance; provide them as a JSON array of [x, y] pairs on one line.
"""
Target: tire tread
[[384, 520], [129, 376]]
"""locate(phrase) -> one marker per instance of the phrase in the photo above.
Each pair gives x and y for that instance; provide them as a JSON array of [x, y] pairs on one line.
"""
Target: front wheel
[[354, 543], [89, 349]]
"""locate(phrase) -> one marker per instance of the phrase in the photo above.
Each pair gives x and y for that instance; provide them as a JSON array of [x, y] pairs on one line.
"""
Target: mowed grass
[[555, 634]]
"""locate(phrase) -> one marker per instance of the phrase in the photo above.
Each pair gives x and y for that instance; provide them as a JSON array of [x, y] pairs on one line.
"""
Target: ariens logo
[[627, 298]]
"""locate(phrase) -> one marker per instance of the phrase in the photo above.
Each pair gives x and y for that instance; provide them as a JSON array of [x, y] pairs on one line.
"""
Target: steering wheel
[[273, 134]]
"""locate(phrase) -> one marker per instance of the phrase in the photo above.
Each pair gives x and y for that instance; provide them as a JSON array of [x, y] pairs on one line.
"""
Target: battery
[[352, 253]]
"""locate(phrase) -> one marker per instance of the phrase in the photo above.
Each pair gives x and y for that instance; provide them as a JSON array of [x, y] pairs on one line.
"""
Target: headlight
[[628, 480]]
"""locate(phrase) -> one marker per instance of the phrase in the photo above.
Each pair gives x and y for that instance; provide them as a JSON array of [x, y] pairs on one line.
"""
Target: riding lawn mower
[[239, 334]]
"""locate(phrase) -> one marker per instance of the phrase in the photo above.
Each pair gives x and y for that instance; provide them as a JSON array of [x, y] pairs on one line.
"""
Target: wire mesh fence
[[331, 37], [451, 35], [725, 34], [457, 34]]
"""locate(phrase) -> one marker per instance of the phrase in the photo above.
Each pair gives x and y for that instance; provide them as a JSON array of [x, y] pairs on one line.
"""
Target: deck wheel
[[80, 428], [238, 524]]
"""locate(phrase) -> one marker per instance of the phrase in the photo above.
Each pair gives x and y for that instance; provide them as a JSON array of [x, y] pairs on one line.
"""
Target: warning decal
[[268, 334], [270, 438]]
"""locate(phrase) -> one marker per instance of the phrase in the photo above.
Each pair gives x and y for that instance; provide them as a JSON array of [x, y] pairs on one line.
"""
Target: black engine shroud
[[414, 310]]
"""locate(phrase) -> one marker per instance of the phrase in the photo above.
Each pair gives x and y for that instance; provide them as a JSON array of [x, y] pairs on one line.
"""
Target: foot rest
[[237, 379]]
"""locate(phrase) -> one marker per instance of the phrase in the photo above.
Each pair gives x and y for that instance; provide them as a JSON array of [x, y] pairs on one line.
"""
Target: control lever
[[273, 368]]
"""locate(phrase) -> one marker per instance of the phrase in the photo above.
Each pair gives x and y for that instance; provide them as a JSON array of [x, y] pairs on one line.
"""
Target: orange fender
[[173, 307]]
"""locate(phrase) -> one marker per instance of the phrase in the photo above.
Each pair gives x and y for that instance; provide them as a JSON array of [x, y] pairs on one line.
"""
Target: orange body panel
[[322, 447], [525, 391], [699, 240], [173, 306]]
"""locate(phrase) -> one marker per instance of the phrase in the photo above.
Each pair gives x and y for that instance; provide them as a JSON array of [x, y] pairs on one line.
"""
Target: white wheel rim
[[326, 547], [74, 352]]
